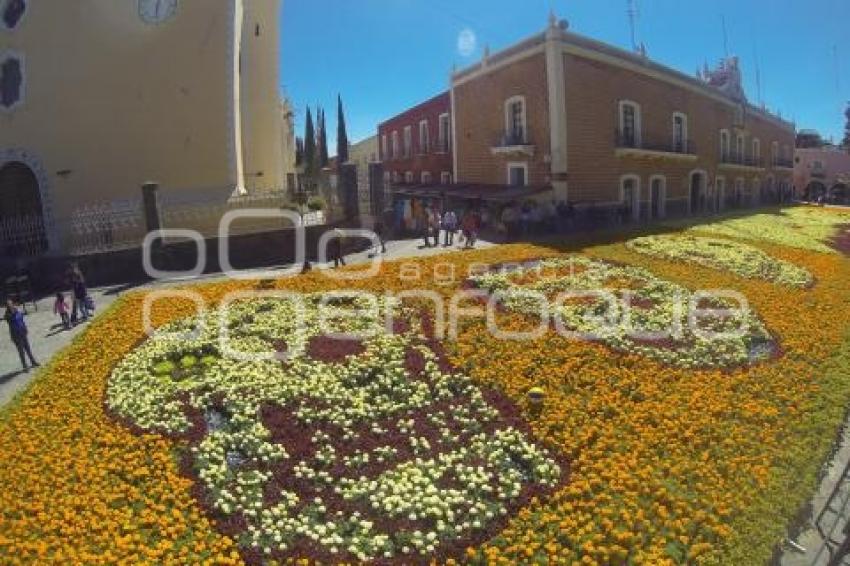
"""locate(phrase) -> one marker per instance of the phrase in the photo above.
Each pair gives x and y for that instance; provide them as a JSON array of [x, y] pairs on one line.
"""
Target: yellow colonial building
[[98, 97]]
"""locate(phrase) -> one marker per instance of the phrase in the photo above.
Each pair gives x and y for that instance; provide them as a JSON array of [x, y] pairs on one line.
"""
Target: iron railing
[[513, 139], [653, 142], [745, 160]]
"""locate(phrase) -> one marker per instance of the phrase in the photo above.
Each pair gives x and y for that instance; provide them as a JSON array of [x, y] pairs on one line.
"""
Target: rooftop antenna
[[632, 12], [725, 37]]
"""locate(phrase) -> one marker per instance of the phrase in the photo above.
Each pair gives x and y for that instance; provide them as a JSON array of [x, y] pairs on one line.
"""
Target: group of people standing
[[80, 309], [433, 222]]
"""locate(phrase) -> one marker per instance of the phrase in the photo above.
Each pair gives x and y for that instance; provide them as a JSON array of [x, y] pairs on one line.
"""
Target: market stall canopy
[[470, 191]]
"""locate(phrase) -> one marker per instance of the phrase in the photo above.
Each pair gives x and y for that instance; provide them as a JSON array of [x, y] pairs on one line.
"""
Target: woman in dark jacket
[[19, 333]]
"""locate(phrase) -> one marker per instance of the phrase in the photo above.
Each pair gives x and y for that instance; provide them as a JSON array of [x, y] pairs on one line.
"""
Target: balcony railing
[[512, 139], [442, 146], [782, 162], [652, 142], [742, 160], [513, 143]]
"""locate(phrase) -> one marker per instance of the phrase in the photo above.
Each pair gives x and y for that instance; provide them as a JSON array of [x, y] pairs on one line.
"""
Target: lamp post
[[301, 197]]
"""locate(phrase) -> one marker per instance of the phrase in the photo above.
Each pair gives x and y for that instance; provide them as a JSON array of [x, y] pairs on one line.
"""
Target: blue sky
[[386, 55]]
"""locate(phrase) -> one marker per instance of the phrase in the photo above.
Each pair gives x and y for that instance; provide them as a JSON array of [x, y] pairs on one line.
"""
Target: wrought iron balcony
[[741, 160], [652, 143], [513, 142]]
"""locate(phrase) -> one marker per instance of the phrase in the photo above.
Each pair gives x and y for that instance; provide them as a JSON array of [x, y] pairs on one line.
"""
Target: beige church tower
[[98, 97]]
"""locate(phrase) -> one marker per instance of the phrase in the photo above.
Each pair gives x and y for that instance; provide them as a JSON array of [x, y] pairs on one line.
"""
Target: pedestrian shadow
[[10, 376]]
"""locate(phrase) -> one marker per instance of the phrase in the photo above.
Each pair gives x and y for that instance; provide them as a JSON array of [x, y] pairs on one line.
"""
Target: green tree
[[341, 134], [309, 146], [323, 140]]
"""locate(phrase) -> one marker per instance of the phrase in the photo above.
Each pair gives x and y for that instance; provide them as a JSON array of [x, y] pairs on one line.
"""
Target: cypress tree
[[341, 134], [323, 141], [309, 145]]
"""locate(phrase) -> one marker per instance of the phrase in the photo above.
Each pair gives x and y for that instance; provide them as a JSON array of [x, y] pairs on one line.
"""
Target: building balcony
[[442, 146], [513, 143], [734, 161], [653, 146], [782, 163]]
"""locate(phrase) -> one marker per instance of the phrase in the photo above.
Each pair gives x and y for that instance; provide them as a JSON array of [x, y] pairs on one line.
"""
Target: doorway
[[697, 192], [22, 231]]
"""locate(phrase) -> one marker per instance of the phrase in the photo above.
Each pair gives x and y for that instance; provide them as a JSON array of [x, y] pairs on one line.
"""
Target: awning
[[470, 191]]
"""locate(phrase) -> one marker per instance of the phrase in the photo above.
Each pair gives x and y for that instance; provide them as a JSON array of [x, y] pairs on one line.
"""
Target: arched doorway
[[657, 196], [697, 192], [719, 194], [630, 197], [22, 231]]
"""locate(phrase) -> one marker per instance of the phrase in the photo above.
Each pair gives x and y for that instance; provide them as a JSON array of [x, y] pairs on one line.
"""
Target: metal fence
[[22, 236]]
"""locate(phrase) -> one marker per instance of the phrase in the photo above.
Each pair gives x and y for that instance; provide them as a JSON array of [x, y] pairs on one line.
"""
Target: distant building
[[607, 127], [362, 154], [100, 97], [415, 146], [822, 172]]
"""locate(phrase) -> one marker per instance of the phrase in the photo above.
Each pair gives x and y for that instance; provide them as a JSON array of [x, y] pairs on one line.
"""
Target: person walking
[[19, 333], [378, 228], [336, 247], [450, 227], [60, 307], [80, 292]]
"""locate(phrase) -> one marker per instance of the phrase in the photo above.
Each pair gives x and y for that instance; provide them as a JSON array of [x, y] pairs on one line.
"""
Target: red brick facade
[[672, 163], [406, 165]]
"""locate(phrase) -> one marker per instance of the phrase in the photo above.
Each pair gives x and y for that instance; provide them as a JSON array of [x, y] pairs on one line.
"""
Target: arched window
[[724, 146], [424, 137], [739, 148], [12, 11], [629, 124], [11, 81], [680, 132], [774, 153], [516, 125], [425, 177], [756, 151]]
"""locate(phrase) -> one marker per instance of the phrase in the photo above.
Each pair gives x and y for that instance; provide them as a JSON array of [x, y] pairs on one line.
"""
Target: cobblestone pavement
[[47, 337]]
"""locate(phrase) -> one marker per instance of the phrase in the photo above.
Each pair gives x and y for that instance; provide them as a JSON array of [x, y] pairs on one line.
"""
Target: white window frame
[[396, 147], [756, 149], [424, 148], [509, 134], [396, 177], [774, 153], [408, 176], [663, 194], [725, 140], [425, 177], [445, 178], [22, 92], [407, 142], [384, 147], [684, 140], [516, 165], [444, 137], [739, 147], [636, 199], [638, 123]]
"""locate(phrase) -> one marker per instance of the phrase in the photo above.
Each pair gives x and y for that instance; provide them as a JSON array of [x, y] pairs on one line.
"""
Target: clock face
[[156, 11]]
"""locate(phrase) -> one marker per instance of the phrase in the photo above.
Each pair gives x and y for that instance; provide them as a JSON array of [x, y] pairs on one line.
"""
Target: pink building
[[822, 172]]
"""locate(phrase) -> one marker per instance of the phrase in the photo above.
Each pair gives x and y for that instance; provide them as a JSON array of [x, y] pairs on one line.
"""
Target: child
[[60, 307]]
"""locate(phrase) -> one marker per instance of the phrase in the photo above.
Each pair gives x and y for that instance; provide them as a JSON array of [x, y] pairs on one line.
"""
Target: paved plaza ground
[[47, 336]]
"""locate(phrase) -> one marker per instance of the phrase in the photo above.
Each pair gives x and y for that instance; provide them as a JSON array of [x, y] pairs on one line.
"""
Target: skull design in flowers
[[631, 310], [367, 449]]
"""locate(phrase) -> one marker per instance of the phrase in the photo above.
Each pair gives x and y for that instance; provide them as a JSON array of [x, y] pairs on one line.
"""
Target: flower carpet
[[408, 447]]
